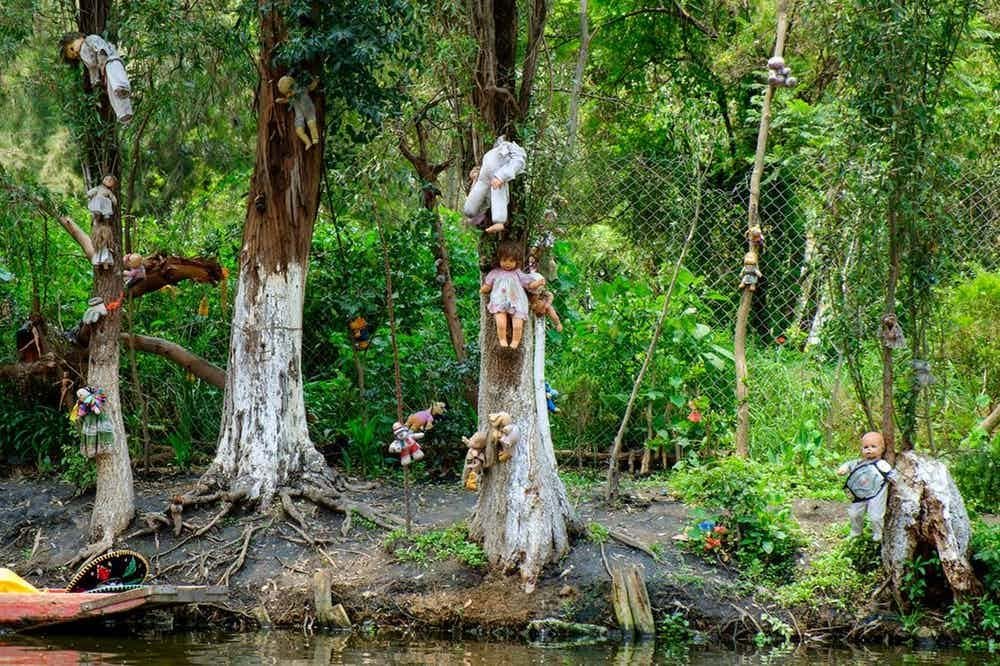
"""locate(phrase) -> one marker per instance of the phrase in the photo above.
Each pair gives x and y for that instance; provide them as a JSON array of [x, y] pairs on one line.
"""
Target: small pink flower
[[694, 416]]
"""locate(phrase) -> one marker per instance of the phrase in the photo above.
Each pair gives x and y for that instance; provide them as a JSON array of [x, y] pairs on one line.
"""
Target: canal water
[[295, 649]]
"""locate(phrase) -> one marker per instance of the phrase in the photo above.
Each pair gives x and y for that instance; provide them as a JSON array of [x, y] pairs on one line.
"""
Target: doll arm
[[488, 282], [514, 166], [531, 281], [844, 469], [91, 192]]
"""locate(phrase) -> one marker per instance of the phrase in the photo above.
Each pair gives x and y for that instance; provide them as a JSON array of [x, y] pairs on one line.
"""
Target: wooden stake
[[638, 601], [619, 599]]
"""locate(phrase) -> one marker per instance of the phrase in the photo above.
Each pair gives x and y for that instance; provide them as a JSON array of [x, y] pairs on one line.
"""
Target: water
[[294, 649]]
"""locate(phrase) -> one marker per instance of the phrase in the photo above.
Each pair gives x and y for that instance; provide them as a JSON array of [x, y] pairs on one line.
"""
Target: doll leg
[[474, 201], [876, 513], [313, 131], [856, 512], [515, 338], [498, 210], [501, 320], [300, 130], [554, 316]]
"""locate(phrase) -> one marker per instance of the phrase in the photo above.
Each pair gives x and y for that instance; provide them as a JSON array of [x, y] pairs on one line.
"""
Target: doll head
[[285, 85], [69, 47], [872, 446], [477, 441], [500, 419], [750, 259], [133, 260], [509, 255], [110, 182]]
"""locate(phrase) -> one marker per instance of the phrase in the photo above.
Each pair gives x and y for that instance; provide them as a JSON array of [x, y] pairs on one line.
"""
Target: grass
[[436, 545]]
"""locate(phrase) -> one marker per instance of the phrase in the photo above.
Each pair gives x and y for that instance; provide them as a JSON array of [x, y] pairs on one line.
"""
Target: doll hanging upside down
[[508, 300], [302, 105]]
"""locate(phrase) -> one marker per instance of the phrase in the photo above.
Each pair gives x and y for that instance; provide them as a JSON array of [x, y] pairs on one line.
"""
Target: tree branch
[[530, 66], [168, 270], [79, 235], [172, 351]]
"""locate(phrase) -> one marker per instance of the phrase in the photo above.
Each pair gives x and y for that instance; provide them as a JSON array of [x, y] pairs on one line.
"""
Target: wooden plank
[[619, 600], [638, 601]]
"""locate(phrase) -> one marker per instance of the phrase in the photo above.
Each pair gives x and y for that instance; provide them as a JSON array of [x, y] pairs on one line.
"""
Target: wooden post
[[322, 600], [619, 600], [638, 601]]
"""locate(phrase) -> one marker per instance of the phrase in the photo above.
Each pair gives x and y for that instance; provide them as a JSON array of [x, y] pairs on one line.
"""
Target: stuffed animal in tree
[[501, 164], [505, 433], [405, 444], [103, 64], [303, 107], [424, 419], [96, 430], [475, 459], [751, 274], [550, 398]]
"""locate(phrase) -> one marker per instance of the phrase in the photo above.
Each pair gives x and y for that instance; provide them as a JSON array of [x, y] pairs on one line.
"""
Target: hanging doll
[[501, 164], [424, 419], [96, 430], [550, 398], [866, 479], [751, 274], [505, 433], [508, 300], [780, 75], [406, 444], [102, 62], [475, 459], [361, 332], [135, 271], [756, 237], [302, 105], [102, 202], [892, 332]]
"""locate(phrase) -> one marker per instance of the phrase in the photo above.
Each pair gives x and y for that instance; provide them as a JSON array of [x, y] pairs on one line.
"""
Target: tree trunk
[[888, 423], [114, 501], [264, 441], [523, 514], [926, 512]]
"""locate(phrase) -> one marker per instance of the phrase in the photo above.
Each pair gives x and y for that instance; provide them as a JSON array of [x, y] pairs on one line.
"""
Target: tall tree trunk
[[581, 65], [523, 516], [264, 441], [888, 423], [114, 501]]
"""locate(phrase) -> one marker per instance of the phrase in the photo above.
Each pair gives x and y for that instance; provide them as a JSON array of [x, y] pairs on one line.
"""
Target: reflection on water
[[294, 649]]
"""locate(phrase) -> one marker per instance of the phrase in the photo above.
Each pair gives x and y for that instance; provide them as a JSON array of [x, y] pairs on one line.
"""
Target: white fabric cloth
[[875, 508], [504, 161], [100, 56], [102, 201]]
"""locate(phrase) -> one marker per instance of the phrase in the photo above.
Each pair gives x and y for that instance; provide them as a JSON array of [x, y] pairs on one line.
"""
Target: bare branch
[[194, 364], [79, 235]]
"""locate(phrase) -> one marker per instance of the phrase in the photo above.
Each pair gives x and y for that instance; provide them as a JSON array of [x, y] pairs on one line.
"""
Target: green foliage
[[78, 470], [977, 470], [972, 340], [674, 629], [915, 575], [742, 497], [434, 545], [597, 533], [985, 548], [830, 578], [34, 435]]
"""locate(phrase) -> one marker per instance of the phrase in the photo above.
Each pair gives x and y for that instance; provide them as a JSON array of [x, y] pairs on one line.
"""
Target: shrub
[[977, 470]]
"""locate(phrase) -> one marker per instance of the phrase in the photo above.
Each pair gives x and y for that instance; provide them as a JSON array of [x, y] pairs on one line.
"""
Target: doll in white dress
[[103, 65], [501, 164]]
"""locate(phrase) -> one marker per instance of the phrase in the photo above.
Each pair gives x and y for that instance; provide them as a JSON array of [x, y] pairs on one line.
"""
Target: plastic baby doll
[[101, 58], [866, 479], [508, 300], [102, 200], [501, 164], [135, 271], [302, 105]]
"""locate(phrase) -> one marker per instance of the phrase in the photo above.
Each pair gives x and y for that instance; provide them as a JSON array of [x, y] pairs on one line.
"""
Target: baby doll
[[134, 271], [406, 444], [102, 209], [866, 479], [501, 164], [101, 58], [751, 274], [475, 458], [302, 105], [505, 432], [540, 300], [508, 300]]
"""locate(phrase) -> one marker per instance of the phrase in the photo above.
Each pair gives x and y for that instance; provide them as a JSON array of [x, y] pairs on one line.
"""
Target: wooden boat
[[32, 610]]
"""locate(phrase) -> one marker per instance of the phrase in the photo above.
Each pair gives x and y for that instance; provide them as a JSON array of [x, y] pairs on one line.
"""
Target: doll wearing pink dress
[[508, 299]]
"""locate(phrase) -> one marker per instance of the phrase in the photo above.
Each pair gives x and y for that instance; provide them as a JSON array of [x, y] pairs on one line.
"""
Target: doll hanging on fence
[[866, 480], [506, 286], [103, 63], [97, 433], [501, 164]]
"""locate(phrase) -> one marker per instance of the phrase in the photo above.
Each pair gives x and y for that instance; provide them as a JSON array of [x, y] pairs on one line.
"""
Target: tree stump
[[630, 600], [926, 512]]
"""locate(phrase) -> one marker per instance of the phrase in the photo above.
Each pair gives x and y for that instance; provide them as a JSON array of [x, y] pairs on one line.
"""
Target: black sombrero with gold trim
[[115, 570]]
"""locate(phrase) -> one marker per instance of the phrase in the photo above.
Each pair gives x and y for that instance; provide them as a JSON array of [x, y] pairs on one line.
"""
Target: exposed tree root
[[91, 551]]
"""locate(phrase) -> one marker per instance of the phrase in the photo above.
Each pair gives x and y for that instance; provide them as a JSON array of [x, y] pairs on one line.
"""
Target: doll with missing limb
[[103, 63], [508, 300], [866, 481], [302, 105], [101, 203], [501, 164]]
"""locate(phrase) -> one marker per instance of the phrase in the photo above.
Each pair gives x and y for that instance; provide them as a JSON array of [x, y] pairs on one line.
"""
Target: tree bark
[[888, 424], [264, 441], [753, 219]]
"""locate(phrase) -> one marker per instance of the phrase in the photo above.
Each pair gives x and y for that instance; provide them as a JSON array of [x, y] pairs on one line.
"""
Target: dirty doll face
[[73, 49], [872, 446], [508, 263]]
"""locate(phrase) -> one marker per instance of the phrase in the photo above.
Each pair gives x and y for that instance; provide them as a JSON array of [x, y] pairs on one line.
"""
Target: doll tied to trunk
[[508, 300]]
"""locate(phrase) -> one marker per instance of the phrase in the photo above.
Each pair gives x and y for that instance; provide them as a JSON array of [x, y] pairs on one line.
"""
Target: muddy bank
[[42, 524]]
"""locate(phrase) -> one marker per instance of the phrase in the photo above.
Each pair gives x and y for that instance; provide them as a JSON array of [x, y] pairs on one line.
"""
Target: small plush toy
[[95, 310], [135, 271], [780, 75], [508, 300], [96, 429], [540, 302], [102, 62], [302, 105], [501, 164], [361, 333], [424, 420], [475, 459], [505, 432], [406, 444], [550, 398], [751, 274], [866, 480], [892, 332]]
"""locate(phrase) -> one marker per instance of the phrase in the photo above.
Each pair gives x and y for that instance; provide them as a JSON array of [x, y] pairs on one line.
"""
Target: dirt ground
[[42, 525]]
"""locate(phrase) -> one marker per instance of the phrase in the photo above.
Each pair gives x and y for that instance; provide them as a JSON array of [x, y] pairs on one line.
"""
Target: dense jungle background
[[644, 121]]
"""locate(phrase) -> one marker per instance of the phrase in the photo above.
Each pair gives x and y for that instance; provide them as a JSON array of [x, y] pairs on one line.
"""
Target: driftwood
[[630, 600], [925, 510]]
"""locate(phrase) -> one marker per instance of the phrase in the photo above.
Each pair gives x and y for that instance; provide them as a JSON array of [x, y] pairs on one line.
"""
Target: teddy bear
[[424, 419], [475, 458], [505, 432]]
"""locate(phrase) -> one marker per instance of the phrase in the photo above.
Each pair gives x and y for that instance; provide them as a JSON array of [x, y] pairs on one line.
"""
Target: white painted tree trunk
[[523, 515], [264, 442]]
